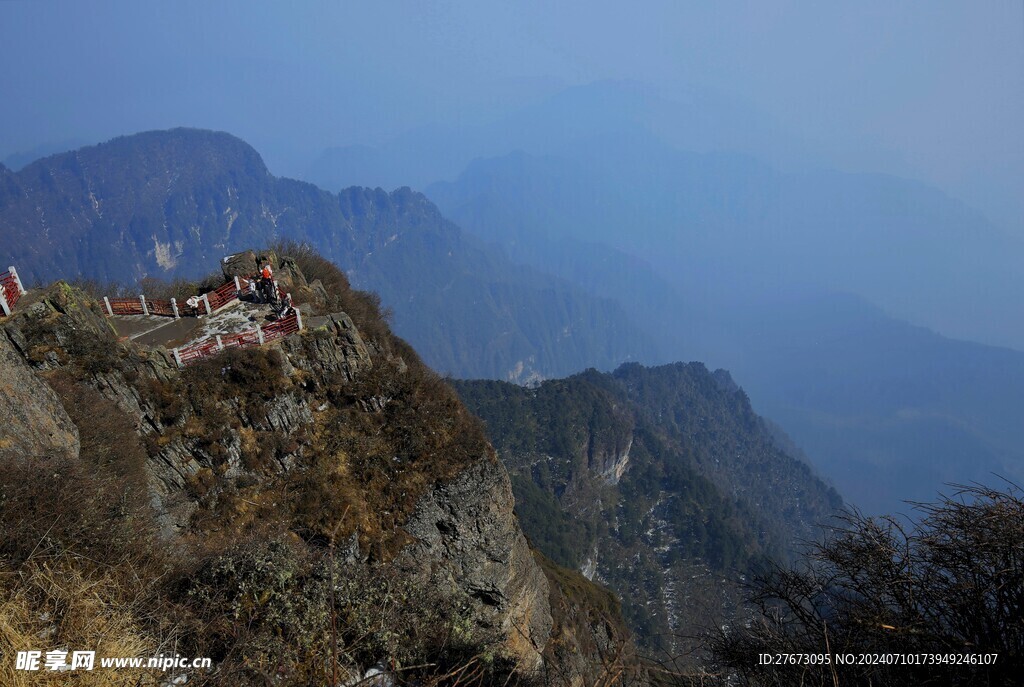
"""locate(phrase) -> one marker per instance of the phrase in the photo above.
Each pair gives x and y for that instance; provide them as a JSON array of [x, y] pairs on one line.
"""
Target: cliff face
[[35, 422], [466, 524], [328, 437]]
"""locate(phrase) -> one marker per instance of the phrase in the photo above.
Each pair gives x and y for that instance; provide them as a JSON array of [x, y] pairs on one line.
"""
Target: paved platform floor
[[151, 330]]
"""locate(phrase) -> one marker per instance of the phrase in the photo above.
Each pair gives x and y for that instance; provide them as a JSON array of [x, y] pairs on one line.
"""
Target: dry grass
[[78, 560], [387, 438], [53, 605]]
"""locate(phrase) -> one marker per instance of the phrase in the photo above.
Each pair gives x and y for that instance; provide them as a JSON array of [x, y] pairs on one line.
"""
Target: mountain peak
[[182, 147]]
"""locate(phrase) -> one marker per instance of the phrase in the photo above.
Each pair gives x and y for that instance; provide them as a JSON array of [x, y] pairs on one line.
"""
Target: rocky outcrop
[[54, 325], [333, 345], [589, 645], [244, 264], [35, 423], [611, 463], [468, 541], [49, 328], [205, 435], [602, 458]]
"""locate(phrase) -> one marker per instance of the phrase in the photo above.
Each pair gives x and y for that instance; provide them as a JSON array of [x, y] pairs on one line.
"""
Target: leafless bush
[[951, 583]]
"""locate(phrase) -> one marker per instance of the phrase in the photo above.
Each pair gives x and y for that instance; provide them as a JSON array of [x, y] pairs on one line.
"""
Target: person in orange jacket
[[267, 283]]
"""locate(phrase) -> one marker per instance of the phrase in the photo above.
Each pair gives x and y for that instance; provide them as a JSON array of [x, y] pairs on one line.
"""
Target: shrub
[[951, 583], [269, 614], [97, 505]]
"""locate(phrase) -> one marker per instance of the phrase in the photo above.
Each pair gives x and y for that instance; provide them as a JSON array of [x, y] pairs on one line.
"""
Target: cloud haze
[[931, 90]]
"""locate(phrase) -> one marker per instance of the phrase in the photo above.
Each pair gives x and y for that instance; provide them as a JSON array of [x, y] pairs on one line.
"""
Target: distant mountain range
[[725, 225], [711, 190], [560, 269], [170, 203], [889, 411], [696, 119]]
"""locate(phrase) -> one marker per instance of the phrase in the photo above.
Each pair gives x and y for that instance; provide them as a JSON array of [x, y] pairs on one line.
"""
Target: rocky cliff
[[333, 457], [36, 423]]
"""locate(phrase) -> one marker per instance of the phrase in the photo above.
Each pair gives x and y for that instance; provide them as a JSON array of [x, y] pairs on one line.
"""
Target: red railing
[[190, 354], [209, 302], [222, 296], [135, 306], [10, 288], [253, 337], [216, 299], [159, 307], [241, 340], [156, 306], [282, 328], [125, 306]]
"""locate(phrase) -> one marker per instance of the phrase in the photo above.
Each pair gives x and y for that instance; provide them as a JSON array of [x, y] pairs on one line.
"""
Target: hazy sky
[[933, 89]]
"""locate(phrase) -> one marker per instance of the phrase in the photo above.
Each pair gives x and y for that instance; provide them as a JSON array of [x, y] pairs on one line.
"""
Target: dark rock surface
[[467, 540], [34, 421]]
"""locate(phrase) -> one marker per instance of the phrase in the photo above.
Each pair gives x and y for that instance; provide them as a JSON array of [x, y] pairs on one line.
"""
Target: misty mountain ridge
[[696, 119], [890, 411], [169, 203], [718, 188], [731, 224]]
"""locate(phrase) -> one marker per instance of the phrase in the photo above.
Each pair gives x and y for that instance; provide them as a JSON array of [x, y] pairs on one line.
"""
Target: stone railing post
[[220, 344], [174, 308], [145, 308], [298, 318], [106, 302], [3, 302], [177, 356], [259, 335]]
